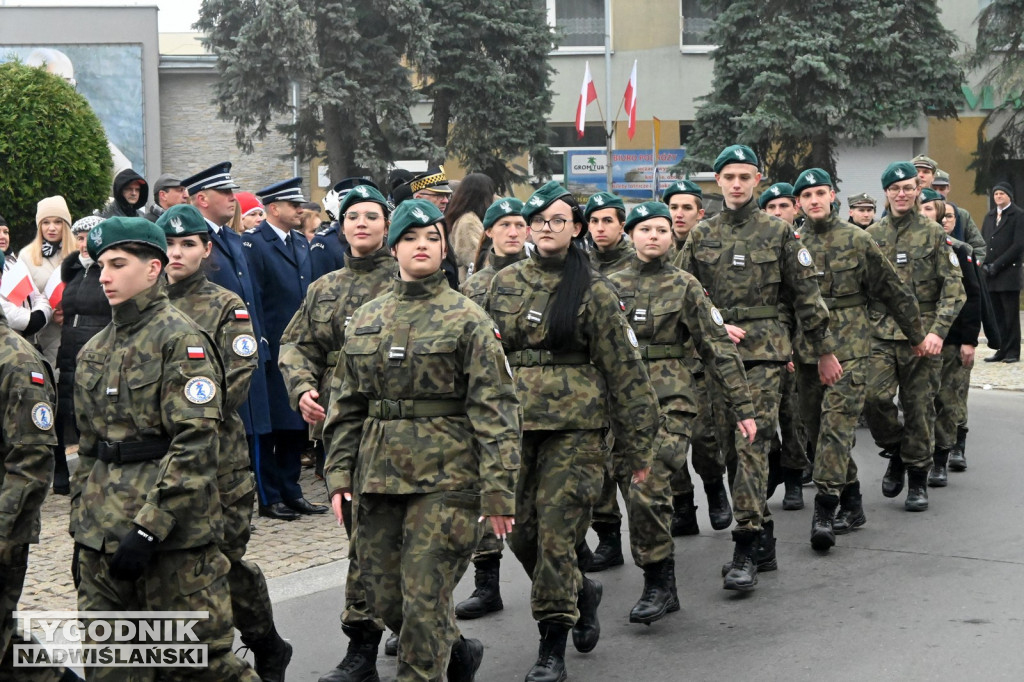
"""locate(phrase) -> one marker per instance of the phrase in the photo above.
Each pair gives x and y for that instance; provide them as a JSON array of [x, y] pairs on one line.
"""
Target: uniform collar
[[501, 262], [652, 266], [186, 286], [821, 226], [621, 248], [549, 263], [428, 287], [377, 259], [139, 307], [740, 215]]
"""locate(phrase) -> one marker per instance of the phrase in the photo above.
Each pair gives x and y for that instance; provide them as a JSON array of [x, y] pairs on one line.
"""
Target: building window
[[580, 23], [685, 130], [695, 22]]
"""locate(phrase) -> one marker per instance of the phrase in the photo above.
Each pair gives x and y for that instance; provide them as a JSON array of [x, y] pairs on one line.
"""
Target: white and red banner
[[631, 101], [588, 94], [16, 284], [54, 289]]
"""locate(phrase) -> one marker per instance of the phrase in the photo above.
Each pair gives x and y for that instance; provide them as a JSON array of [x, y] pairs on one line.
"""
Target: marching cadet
[[779, 201], [605, 215], [225, 319], [310, 349], [424, 429], [850, 270], [145, 507], [685, 202], [506, 231], [327, 249], [578, 371], [926, 264], [862, 210], [669, 311], [749, 262]]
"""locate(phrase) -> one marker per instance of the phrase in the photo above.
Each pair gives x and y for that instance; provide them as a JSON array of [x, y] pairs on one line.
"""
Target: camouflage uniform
[[972, 235], [26, 400], [747, 261], [150, 412], [850, 270], [925, 263], [706, 457], [424, 422], [668, 309], [570, 397], [614, 259], [222, 315]]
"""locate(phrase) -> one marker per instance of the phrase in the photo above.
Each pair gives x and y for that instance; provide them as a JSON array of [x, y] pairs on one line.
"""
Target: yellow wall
[[951, 143], [634, 29]]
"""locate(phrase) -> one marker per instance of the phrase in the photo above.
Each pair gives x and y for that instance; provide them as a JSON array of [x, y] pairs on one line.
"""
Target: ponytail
[[576, 277]]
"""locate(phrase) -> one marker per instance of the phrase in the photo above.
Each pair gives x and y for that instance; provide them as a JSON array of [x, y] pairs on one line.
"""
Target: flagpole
[[609, 129]]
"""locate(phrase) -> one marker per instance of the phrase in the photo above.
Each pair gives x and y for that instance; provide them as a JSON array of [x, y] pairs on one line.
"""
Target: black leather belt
[[128, 452]]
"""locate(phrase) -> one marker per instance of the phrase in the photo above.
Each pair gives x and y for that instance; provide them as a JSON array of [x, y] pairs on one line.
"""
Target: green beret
[[779, 190], [812, 177], [182, 219], [542, 198], [601, 201], [861, 200], [646, 211], [737, 153], [501, 208], [922, 161], [898, 172], [361, 193], [409, 214], [121, 230], [941, 178], [928, 194], [682, 187]]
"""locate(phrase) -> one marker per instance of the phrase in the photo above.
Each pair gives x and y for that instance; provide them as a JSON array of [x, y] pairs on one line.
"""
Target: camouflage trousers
[[794, 437], [951, 400], [490, 546], [894, 367], [357, 611], [176, 580], [707, 458], [412, 551], [830, 417], [559, 482], [13, 566], [252, 611], [606, 509]]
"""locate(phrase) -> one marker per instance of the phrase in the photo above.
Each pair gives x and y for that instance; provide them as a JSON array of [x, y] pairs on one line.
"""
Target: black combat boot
[[659, 596], [584, 557], [851, 510], [486, 598], [684, 515], [742, 576], [892, 480], [587, 630], [764, 555], [719, 509], [917, 490], [271, 653], [793, 479], [889, 450], [609, 547], [774, 469], [938, 477], [467, 654], [823, 537], [957, 460], [391, 645], [550, 665], [360, 662]]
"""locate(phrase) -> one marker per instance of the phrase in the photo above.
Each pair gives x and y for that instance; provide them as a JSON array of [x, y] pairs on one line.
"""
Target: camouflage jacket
[[477, 286], [851, 269], [29, 436], [222, 315], [612, 389], [422, 343], [149, 377], [925, 262], [312, 340], [749, 262], [614, 259], [669, 311], [972, 235]]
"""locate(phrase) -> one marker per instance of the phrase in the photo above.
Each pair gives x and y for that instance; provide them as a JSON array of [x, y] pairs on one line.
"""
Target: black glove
[[76, 569], [133, 554]]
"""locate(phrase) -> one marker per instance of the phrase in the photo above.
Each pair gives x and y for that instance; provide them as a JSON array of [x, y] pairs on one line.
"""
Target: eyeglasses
[[371, 216], [896, 191], [557, 224], [949, 216]]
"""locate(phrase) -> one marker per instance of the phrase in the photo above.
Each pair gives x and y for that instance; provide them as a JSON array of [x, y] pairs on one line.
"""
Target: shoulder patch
[[631, 337], [804, 256], [717, 316], [200, 390], [42, 416], [497, 334], [953, 259], [37, 378], [196, 352], [622, 306], [244, 345], [241, 314], [949, 241]]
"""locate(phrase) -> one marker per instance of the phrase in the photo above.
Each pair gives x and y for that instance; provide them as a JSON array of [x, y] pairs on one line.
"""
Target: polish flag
[[588, 94], [631, 101], [16, 284], [54, 289]]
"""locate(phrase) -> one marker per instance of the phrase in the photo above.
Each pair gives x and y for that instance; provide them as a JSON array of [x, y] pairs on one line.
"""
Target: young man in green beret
[[778, 200], [749, 262], [685, 201], [606, 218], [925, 262]]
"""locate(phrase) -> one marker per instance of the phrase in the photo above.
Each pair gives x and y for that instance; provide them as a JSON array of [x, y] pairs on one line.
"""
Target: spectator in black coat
[[1003, 231]]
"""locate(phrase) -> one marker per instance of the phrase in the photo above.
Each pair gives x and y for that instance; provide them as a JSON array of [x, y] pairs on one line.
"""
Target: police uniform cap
[[646, 211], [812, 177], [682, 187], [410, 214], [928, 194], [601, 201], [898, 171], [181, 220], [502, 208], [214, 177], [861, 200], [779, 190], [736, 153], [941, 178], [922, 161], [119, 230], [434, 180], [286, 190], [361, 193]]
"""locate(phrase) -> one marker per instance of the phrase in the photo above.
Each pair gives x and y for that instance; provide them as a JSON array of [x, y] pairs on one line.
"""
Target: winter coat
[[86, 311], [121, 207]]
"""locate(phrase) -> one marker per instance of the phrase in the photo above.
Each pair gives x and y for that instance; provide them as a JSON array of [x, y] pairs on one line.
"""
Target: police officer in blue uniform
[[327, 248], [278, 256]]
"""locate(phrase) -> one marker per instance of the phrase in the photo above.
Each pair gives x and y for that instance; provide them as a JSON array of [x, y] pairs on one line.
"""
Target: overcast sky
[[174, 16]]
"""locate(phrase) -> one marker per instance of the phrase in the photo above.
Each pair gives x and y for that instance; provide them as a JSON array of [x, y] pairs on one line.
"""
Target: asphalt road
[[937, 595]]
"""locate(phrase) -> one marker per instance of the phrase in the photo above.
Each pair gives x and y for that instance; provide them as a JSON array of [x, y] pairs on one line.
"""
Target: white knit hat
[[53, 207], [85, 224]]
